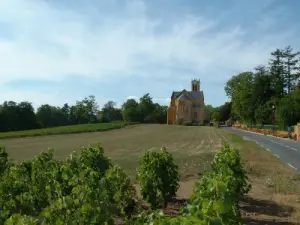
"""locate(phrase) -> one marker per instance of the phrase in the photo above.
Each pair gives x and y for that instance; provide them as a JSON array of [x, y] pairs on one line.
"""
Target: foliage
[[216, 116], [15, 116], [94, 159], [158, 218], [88, 189], [3, 159], [120, 191], [187, 123], [252, 93], [225, 111], [83, 189], [292, 68], [22, 116], [216, 196], [289, 110], [144, 111], [158, 177], [228, 161], [18, 219], [72, 129], [130, 110], [239, 89], [111, 113], [215, 199]]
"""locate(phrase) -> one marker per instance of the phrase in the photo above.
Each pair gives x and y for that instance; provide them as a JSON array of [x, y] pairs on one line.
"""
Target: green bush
[[228, 162], [3, 159], [179, 122], [214, 200], [216, 124], [18, 219], [94, 159], [186, 123], [89, 189], [158, 177], [60, 192], [120, 191], [216, 196]]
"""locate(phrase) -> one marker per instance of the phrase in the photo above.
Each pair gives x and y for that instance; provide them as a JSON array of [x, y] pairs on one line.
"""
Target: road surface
[[287, 150]]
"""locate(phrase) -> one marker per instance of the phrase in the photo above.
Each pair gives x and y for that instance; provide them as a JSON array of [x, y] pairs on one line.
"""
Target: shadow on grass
[[266, 207]]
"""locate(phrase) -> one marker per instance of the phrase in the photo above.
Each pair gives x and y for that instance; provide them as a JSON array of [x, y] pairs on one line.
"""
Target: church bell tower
[[195, 85]]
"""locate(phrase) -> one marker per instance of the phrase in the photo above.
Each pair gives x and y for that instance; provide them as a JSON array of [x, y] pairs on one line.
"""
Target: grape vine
[[89, 189]]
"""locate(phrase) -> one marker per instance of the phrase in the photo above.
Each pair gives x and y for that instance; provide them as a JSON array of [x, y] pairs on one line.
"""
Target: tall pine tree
[[292, 68], [277, 72]]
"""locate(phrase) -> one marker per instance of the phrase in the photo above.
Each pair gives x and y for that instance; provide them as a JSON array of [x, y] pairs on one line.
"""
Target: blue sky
[[63, 50]]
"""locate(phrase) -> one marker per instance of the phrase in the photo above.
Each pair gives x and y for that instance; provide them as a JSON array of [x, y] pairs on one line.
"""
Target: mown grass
[[72, 129]]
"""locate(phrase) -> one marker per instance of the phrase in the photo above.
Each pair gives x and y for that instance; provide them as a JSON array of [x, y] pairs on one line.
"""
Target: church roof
[[194, 94], [183, 97]]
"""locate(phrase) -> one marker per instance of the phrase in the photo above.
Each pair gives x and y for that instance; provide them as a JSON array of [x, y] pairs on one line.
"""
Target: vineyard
[[71, 129], [89, 188]]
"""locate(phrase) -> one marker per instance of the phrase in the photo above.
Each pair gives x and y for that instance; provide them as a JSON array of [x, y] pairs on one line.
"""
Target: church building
[[187, 106]]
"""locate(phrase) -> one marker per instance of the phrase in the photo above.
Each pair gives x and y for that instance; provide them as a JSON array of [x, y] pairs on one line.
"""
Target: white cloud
[[52, 43], [133, 97]]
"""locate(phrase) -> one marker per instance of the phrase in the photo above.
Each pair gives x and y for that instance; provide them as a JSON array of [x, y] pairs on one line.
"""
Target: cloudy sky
[[57, 51]]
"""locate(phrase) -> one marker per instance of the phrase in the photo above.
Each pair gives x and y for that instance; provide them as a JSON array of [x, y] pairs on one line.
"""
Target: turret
[[195, 85]]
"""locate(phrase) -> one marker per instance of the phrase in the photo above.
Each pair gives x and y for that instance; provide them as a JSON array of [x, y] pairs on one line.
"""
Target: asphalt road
[[287, 150]]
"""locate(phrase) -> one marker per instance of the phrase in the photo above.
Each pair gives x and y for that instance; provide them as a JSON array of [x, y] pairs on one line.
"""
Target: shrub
[[186, 123], [158, 177], [3, 159], [18, 219], [15, 196], [179, 122], [228, 162], [216, 196], [94, 159], [214, 200], [120, 191], [216, 124], [86, 203], [57, 192]]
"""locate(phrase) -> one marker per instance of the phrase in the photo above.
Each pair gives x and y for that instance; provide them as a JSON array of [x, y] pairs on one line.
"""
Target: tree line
[[22, 116], [270, 93]]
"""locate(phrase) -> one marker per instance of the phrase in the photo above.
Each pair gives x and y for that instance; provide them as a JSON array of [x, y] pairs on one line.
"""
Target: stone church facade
[[187, 106]]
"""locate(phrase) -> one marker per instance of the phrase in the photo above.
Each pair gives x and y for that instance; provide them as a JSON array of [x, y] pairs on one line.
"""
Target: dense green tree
[[130, 110], [239, 89], [277, 71], [9, 116], [146, 108], [86, 110], [66, 111], [288, 110], [216, 116], [50, 116], [254, 95], [110, 112], [225, 111], [160, 113], [262, 90], [264, 113], [26, 116], [292, 68]]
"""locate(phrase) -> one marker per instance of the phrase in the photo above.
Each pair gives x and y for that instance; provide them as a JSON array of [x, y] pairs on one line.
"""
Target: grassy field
[[275, 192], [72, 129]]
